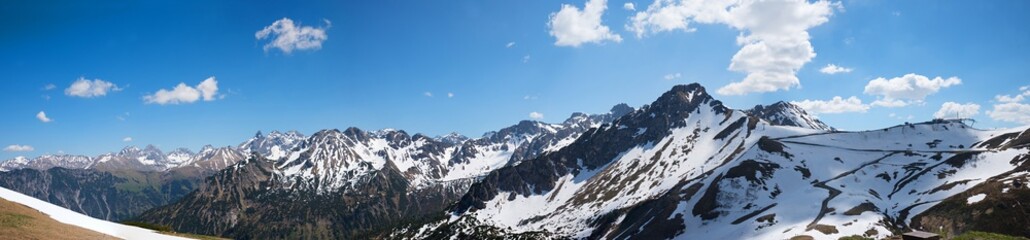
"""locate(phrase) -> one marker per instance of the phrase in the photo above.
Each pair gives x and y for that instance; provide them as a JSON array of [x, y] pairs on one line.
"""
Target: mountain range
[[684, 167]]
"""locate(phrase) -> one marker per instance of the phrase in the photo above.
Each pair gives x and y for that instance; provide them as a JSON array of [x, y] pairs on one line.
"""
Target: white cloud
[[525, 59], [90, 88], [908, 89], [49, 86], [287, 36], [509, 45], [890, 103], [42, 117], [834, 69], [1011, 109], [536, 115], [572, 27], [428, 94], [18, 148], [1011, 112], [629, 6], [127, 139], [1008, 99], [672, 76], [957, 110], [450, 95], [182, 93], [1017, 98], [835, 105], [774, 36], [528, 97]]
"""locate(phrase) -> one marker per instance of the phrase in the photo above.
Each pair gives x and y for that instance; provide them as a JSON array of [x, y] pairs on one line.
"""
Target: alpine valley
[[683, 167]]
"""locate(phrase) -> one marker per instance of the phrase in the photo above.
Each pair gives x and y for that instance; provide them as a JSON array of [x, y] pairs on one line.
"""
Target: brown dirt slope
[[19, 222]]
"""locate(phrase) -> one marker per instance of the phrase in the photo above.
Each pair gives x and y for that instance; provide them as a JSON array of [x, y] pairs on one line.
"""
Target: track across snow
[[67, 216]]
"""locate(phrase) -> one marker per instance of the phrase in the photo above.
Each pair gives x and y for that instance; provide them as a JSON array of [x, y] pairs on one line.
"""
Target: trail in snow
[[67, 216]]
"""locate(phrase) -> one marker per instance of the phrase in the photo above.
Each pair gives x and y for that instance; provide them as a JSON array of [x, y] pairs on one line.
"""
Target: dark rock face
[[595, 148], [103, 195], [1002, 210], [245, 202], [787, 114]]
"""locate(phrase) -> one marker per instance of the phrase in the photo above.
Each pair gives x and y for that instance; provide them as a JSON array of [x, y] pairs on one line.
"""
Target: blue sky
[[377, 60]]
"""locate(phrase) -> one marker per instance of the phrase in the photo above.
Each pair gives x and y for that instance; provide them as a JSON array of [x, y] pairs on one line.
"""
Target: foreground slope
[[687, 167], [20, 222], [91, 228]]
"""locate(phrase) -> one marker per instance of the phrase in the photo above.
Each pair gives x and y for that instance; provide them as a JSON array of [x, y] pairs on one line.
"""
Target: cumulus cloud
[[774, 36], [536, 115], [127, 139], [42, 117], [907, 89], [427, 94], [525, 59], [1012, 109], [90, 88], [287, 36], [450, 95], [182, 93], [629, 6], [672, 76], [835, 105], [1016, 98], [573, 27], [509, 45], [1011, 112], [957, 110], [18, 148], [834, 69], [49, 86]]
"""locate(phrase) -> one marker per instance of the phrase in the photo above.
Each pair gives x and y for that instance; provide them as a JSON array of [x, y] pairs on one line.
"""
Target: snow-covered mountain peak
[[787, 114]]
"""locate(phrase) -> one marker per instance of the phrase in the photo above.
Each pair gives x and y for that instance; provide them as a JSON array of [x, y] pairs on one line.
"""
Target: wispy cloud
[[536, 115], [18, 148], [834, 69], [835, 105], [672, 76]]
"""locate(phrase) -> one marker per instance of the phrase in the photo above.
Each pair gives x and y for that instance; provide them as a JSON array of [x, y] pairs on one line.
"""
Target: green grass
[[155, 227], [12, 220], [974, 235]]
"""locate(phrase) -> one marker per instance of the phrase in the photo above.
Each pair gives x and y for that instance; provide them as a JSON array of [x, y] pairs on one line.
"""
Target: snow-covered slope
[[787, 114], [687, 167], [73, 218]]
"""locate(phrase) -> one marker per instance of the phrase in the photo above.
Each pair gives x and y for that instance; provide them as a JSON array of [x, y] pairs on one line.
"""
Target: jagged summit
[[787, 114]]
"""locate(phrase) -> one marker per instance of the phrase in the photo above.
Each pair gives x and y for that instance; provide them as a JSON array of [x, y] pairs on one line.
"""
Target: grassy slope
[[20, 222]]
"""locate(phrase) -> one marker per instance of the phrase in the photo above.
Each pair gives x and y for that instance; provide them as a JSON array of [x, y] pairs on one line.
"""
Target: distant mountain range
[[684, 166]]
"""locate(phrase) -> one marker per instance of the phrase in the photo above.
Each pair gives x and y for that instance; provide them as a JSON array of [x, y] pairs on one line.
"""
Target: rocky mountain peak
[[620, 110], [787, 114], [683, 98]]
